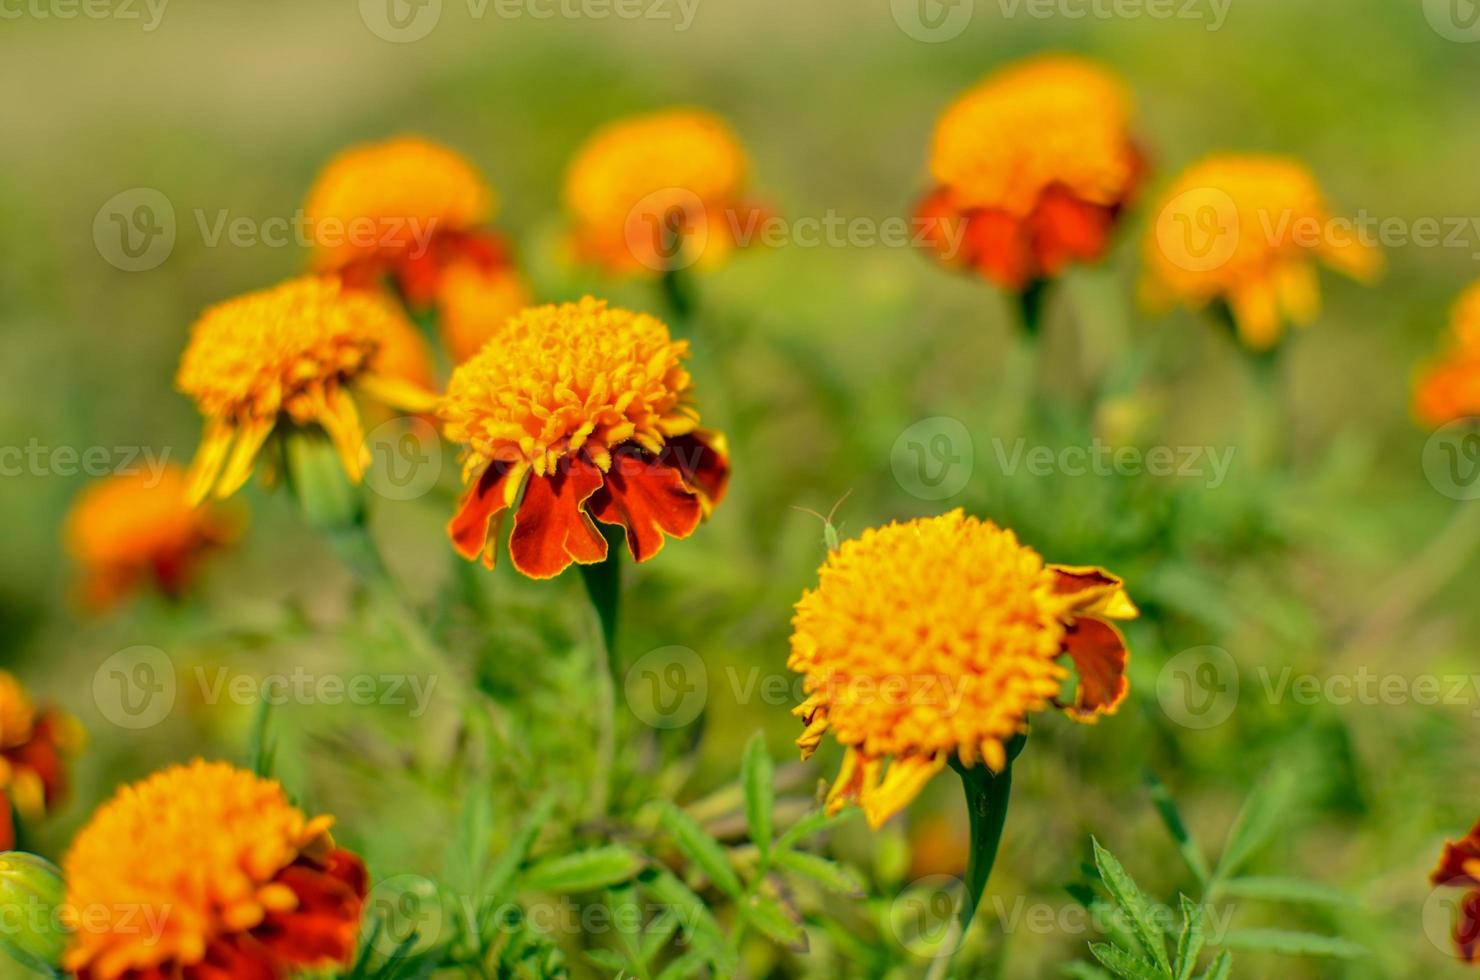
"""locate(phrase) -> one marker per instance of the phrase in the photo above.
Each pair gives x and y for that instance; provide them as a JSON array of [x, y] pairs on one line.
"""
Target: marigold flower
[[1449, 389], [658, 192], [419, 208], [231, 878], [1459, 867], [1032, 166], [33, 749], [938, 637], [136, 528], [294, 350], [580, 413], [1244, 230]]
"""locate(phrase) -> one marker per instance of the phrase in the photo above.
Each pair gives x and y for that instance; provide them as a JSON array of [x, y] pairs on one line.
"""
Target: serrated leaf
[[1292, 890], [466, 860], [702, 849], [1171, 818], [1128, 897], [777, 922], [830, 875], [758, 777], [693, 915], [1256, 821], [1220, 968], [1190, 942], [495, 884], [1123, 964], [584, 871], [1290, 943]]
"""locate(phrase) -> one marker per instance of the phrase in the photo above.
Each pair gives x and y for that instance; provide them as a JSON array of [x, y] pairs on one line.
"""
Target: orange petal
[[1099, 655], [551, 526], [703, 459], [7, 823], [322, 928], [649, 498], [1063, 228], [1460, 861], [901, 784], [997, 246], [474, 528], [943, 226], [1092, 591]]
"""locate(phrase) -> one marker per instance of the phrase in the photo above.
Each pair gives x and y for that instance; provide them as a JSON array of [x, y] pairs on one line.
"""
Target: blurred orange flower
[[1459, 867], [132, 529], [230, 879], [1244, 230], [579, 413], [293, 351], [938, 637], [1449, 389], [659, 192], [33, 746], [413, 212], [1032, 166]]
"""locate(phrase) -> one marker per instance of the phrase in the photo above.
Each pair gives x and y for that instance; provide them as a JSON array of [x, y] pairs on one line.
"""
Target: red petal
[[1099, 655], [942, 226], [998, 248], [7, 823], [704, 465], [472, 526], [326, 924], [1064, 228], [649, 498], [551, 527]]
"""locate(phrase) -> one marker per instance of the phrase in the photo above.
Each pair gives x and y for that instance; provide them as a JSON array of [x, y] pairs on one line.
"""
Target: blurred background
[[824, 362]]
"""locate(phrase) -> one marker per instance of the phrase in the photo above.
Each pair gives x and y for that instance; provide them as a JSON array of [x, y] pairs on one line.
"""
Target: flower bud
[[31, 932]]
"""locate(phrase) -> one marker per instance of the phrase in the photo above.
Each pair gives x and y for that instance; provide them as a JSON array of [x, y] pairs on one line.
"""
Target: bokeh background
[[1337, 557]]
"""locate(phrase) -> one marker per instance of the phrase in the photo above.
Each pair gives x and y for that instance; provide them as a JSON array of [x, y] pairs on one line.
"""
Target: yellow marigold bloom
[[1449, 389], [659, 191], [292, 351], [33, 746], [1032, 166], [133, 528], [231, 878], [939, 637], [1245, 230], [581, 413]]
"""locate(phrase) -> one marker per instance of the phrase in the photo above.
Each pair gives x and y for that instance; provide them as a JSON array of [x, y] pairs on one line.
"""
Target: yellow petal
[[238, 469], [206, 467]]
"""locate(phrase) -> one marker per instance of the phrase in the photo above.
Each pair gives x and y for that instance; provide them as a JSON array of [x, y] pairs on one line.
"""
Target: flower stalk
[[987, 796]]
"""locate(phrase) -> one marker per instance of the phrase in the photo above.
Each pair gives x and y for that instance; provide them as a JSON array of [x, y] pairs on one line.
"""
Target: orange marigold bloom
[[1459, 867], [938, 637], [416, 210], [658, 192], [133, 528], [474, 305], [33, 749], [1244, 230], [579, 413], [1450, 388], [231, 878], [292, 351], [1032, 166]]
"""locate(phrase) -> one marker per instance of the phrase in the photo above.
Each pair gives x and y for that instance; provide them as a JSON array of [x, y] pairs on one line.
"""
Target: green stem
[[986, 804], [1030, 305], [678, 296], [604, 587]]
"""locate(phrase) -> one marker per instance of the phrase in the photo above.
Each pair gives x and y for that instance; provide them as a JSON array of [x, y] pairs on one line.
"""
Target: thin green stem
[[604, 588], [678, 296]]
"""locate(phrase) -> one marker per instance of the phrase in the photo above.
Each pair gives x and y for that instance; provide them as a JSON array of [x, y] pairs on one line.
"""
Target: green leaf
[[1123, 964], [501, 875], [261, 748], [702, 849], [777, 922], [810, 825], [1128, 896], [584, 871], [1080, 970], [608, 960], [757, 775], [1166, 807], [1190, 942], [685, 967], [467, 857], [657, 933], [1256, 821], [830, 875], [1221, 968], [1292, 890], [1292, 943], [693, 915]]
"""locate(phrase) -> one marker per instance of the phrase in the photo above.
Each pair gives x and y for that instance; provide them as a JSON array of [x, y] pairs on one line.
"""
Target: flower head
[[938, 638], [34, 744], [136, 528], [239, 882], [657, 192], [1459, 867], [580, 412], [1449, 389], [474, 304], [291, 351], [1031, 168], [1245, 231]]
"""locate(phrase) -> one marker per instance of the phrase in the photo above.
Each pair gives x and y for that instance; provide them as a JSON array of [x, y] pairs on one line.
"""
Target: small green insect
[[829, 530]]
